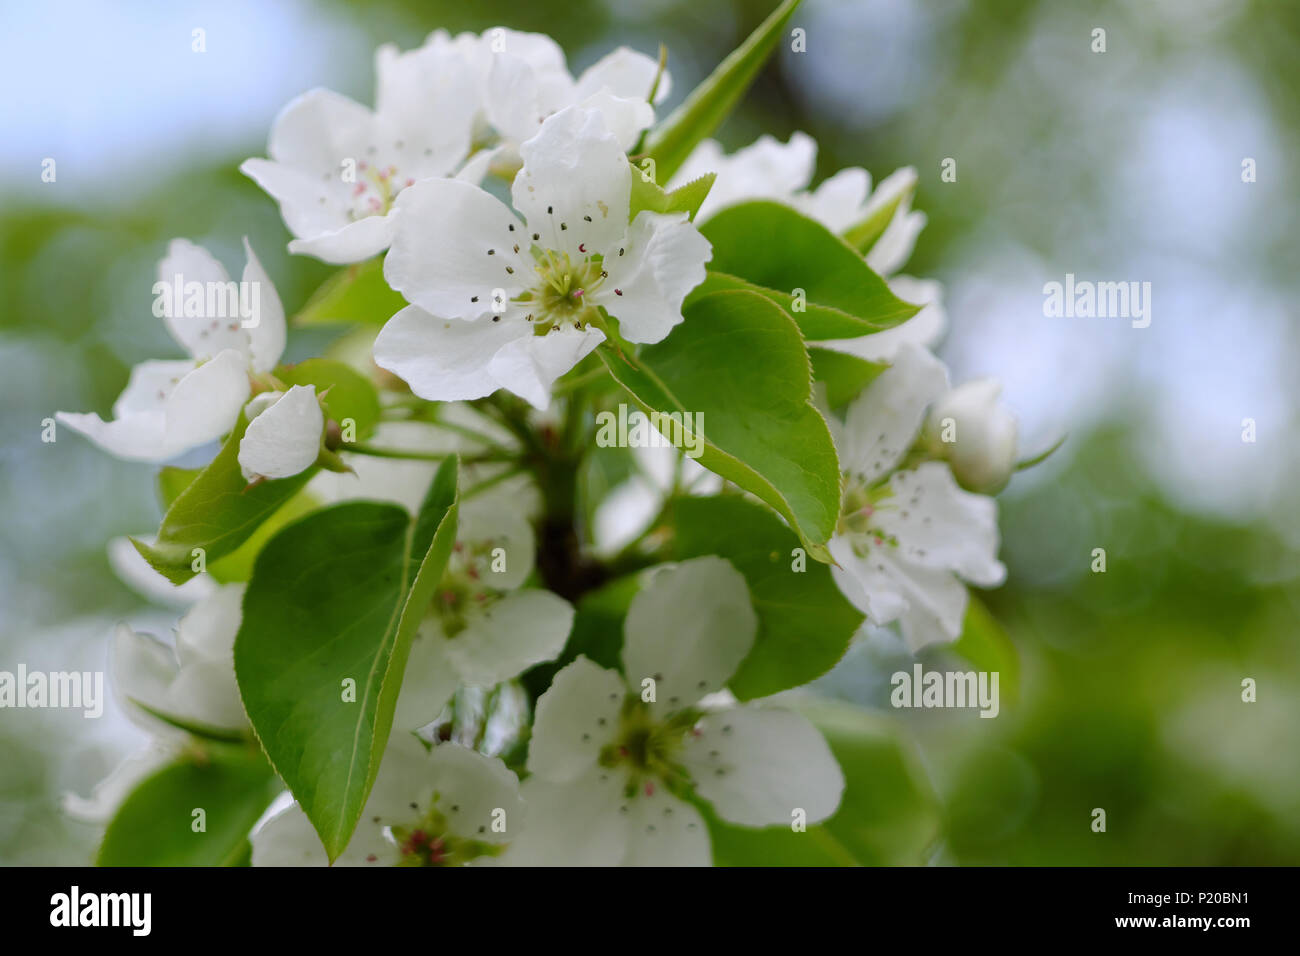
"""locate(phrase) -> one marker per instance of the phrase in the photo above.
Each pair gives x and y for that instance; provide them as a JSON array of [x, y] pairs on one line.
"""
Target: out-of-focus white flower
[[485, 627], [336, 167], [782, 172], [612, 758], [192, 682], [502, 303], [977, 435], [171, 407], [446, 806], [903, 546]]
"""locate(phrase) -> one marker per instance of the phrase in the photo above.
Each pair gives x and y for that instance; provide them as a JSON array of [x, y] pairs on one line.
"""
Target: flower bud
[[977, 435]]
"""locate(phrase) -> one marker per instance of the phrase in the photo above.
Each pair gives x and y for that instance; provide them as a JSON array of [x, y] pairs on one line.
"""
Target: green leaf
[[338, 596], [845, 376], [687, 198], [216, 512], [155, 825], [238, 564], [739, 362], [357, 293], [888, 816], [804, 623], [771, 249], [172, 481], [984, 643], [350, 394], [196, 728], [712, 101]]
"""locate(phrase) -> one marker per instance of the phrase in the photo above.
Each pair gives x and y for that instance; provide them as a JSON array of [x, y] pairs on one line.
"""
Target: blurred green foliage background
[[1123, 165]]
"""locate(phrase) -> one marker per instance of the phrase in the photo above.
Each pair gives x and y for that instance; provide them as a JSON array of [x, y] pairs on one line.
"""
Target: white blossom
[[445, 806], [171, 407], [503, 302], [191, 681], [485, 627], [903, 546], [336, 167], [613, 755]]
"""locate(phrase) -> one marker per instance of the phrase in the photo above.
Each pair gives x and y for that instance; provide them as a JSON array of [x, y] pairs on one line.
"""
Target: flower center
[[857, 513], [562, 294], [463, 588], [375, 190], [649, 749], [428, 842]]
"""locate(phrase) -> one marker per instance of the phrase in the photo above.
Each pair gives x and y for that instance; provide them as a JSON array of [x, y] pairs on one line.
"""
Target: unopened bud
[[977, 435]]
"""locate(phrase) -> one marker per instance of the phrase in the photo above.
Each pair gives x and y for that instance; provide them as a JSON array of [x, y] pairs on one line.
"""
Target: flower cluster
[[415, 598]]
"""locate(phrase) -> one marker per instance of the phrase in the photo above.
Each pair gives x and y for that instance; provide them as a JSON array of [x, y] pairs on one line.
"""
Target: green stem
[[405, 455]]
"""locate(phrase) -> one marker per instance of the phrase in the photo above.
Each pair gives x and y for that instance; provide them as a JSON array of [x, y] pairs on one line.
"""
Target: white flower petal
[[285, 439], [354, 242], [288, 839], [318, 130], [206, 693], [137, 437], [883, 422], [624, 117], [451, 247], [206, 403], [429, 682], [513, 99], [575, 168], [507, 528], [529, 365], [938, 525], [765, 169], [688, 629], [266, 337], [839, 202], [758, 765], [208, 330], [312, 203], [427, 99], [207, 632], [665, 831], [576, 716], [150, 385], [578, 823], [109, 793], [446, 360], [143, 669], [664, 261], [864, 578], [473, 791], [896, 243], [623, 72], [514, 633], [936, 603]]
